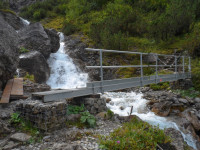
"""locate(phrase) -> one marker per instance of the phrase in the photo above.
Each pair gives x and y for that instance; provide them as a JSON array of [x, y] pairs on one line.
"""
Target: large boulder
[[35, 38], [54, 39], [13, 20], [35, 63], [162, 108], [9, 51]]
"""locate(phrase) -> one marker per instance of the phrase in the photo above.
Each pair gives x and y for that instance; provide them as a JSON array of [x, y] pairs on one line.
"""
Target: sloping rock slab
[[20, 137]]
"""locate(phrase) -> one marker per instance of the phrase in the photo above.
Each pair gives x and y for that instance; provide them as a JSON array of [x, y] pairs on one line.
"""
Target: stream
[[65, 75]]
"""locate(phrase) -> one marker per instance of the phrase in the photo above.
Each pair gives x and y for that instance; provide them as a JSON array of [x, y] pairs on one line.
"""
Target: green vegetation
[[86, 119], [134, 135], [188, 93], [160, 86], [23, 50], [73, 109], [144, 25], [29, 77], [26, 126]]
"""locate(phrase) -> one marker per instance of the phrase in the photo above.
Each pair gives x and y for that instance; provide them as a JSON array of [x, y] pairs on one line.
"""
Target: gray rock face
[[16, 5], [177, 139], [13, 20], [35, 63], [9, 51], [54, 39], [20, 137], [34, 38]]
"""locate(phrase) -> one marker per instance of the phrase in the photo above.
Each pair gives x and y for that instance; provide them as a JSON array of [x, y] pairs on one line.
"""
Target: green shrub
[[73, 109], [39, 14], [23, 50], [68, 28], [134, 135], [160, 86], [192, 93], [29, 77], [25, 126], [88, 119]]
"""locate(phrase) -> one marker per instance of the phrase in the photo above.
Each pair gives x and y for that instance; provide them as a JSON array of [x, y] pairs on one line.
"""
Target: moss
[[8, 11], [54, 23]]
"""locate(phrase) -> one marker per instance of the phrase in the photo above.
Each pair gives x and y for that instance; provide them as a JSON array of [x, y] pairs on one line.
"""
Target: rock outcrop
[[34, 38], [35, 63], [9, 51]]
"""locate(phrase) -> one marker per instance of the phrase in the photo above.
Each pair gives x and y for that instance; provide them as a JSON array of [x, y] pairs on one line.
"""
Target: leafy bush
[[160, 86], [23, 50], [68, 28], [15, 118], [73, 109], [25, 126], [192, 93], [134, 135], [29, 77], [88, 119]]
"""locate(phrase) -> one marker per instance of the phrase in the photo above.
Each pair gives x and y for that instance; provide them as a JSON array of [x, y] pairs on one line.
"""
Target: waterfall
[[64, 74], [25, 22], [121, 103]]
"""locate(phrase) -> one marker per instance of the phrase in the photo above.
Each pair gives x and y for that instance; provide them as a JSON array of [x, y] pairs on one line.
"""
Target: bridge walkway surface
[[119, 84]]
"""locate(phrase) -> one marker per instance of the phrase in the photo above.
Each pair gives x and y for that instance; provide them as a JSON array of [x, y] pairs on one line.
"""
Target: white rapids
[[121, 103], [64, 73]]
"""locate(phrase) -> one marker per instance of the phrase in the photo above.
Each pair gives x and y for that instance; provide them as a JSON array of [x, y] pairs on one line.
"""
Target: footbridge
[[181, 66]]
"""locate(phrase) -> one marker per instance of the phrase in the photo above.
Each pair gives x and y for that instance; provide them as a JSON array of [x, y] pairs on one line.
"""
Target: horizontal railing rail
[[141, 66]]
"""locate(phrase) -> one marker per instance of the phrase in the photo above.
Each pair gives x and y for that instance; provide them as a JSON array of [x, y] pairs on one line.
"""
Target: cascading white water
[[64, 74], [25, 22], [122, 102]]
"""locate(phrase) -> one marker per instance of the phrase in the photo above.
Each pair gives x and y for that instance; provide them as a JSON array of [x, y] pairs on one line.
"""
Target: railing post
[[156, 68], [101, 70], [175, 66], [141, 66], [183, 64], [189, 67]]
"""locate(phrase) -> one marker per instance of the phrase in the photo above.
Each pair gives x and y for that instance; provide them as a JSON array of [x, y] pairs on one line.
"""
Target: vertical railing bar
[[189, 67], [175, 66], [183, 64], [156, 68], [101, 71], [141, 66]]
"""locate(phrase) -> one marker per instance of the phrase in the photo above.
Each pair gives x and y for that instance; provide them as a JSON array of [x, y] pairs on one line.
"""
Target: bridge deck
[[106, 86]]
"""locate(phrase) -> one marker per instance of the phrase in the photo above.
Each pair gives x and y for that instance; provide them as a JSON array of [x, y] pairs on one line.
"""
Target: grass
[[134, 135], [29, 77], [54, 23], [25, 126]]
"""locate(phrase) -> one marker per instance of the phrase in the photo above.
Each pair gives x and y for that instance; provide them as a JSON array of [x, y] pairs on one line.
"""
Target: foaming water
[[64, 74], [121, 103], [25, 22]]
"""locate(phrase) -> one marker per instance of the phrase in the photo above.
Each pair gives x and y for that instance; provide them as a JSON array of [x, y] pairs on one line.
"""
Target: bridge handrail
[[174, 64]]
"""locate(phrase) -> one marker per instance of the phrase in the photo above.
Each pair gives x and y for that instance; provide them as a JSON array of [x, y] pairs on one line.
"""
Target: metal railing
[[141, 66]]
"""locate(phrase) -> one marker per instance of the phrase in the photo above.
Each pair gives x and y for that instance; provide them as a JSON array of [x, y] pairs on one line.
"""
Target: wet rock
[[20, 137], [13, 20], [184, 101], [34, 38], [108, 100], [9, 51], [73, 117], [35, 63], [177, 139], [162, 108], [103, 115], [10, 145], [197, 100], [30, 87], [191, 116], [3, 142], [54, 39], [4, 130]]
